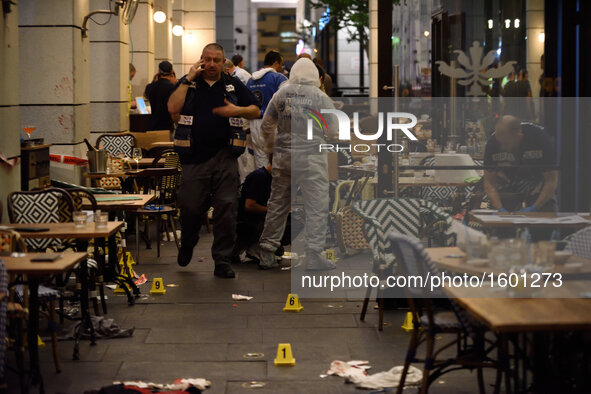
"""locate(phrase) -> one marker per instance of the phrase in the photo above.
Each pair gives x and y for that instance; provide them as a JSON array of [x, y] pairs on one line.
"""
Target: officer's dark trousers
[[212, 183]]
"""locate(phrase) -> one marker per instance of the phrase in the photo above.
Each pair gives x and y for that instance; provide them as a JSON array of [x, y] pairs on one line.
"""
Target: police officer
[[523, 180], [208, 101]]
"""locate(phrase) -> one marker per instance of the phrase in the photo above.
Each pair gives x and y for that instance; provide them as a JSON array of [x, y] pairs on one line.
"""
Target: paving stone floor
[[197, 330]]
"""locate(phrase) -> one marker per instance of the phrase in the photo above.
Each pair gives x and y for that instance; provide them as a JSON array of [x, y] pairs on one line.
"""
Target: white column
[[199, 19], [109, 73], [9, 103], [141, 47], [178, 18], [534, 24], [373, 48], [54, 76], [163, 34]]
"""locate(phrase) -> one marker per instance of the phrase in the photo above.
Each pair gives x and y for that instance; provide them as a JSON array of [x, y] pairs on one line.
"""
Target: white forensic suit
[[289, 112]]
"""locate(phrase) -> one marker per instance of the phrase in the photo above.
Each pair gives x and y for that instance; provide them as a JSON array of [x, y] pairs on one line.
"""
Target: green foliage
[[352, 15]]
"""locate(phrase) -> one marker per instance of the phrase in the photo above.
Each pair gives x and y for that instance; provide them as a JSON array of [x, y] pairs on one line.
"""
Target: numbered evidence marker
[[293, 303], [157, 286], [284, 356], [330, 255]]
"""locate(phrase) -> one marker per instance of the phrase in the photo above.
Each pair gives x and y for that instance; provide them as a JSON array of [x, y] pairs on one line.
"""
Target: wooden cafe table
[[122, 202], [537, 220], [453, 259], [35, 271], [67, 230], [537, 320]]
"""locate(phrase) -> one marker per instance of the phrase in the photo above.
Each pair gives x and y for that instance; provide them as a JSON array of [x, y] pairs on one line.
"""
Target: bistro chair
[[51, 205], [118, 146], [472, 348], [414, 217], [579, 243], [17, 315], [162, 182]]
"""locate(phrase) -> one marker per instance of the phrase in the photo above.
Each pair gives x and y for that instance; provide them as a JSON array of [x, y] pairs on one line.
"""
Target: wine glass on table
[[136, 154]]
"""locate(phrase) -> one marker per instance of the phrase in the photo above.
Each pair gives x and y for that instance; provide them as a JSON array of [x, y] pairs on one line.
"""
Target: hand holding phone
[[195, 70]]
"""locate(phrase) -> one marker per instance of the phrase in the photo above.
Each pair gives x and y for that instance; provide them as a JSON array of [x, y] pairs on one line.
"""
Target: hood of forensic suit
[[304, 72]]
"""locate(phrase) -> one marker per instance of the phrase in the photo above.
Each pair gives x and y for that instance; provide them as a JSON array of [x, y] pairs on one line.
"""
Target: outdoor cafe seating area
[[107, 249]]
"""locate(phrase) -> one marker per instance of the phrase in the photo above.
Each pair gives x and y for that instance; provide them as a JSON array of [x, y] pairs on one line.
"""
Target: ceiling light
[[159, 17], [177, 30], [516, 23], [490, 24], [541, 37]]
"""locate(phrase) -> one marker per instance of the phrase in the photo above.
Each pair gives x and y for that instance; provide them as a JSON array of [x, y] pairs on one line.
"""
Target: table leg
[[137, 238], [36, 377]]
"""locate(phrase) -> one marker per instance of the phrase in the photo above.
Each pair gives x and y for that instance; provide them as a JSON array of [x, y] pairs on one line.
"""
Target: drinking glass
[[101, 219], [79, 219], [136, 155]]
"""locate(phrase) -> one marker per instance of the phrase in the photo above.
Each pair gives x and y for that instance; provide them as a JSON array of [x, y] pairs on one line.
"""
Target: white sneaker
[[315, 261]]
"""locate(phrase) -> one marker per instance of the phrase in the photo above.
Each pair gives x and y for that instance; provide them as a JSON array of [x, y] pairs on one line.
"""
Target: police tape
[[68, 160]]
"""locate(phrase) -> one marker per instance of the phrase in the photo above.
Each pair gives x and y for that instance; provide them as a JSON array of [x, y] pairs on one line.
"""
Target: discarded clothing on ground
[[104, 328], [355, 372], [180, 386]]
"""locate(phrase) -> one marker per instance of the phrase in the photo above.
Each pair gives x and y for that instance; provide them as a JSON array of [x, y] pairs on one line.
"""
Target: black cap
[[165, 67]]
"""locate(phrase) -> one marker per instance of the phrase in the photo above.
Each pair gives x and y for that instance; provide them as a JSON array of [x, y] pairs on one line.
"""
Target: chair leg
[[53, 329], [480, 378], [176, 239], [381, 312], [158, 234], [365, 303], [428, 363], [410, 355]]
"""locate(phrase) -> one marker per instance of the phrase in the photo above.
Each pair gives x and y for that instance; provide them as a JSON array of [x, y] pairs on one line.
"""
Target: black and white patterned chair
[[51, 205], [579, 243], [472, 350], [117, 144], [411, 216]]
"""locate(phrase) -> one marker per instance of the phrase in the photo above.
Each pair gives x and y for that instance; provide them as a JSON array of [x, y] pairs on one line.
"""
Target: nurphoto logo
[[393, 121]]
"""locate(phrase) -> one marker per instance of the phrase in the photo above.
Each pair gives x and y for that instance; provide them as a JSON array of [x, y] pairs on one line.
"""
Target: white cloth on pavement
[[355, 372]]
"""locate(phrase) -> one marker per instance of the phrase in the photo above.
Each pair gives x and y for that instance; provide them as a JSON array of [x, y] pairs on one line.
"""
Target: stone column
[[199, 19], [373, 48], [178, 18], [534, 24], [54, 77], [141, 47], [109, 73], [9, 105], [163, 34]]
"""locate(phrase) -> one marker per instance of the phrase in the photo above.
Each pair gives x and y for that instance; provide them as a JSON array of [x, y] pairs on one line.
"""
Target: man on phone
[[209, 101]]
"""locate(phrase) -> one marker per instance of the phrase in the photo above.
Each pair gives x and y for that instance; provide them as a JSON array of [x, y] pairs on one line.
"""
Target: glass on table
[[101, 219], [136, 155], [79, 218], [543, 253]]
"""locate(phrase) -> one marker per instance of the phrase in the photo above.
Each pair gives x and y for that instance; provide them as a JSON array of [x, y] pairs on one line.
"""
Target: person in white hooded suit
[[287, 113]]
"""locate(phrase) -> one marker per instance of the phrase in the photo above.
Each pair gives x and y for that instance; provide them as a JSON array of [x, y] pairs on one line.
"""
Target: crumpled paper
[[179, 384], [240, 297], [355, 372]]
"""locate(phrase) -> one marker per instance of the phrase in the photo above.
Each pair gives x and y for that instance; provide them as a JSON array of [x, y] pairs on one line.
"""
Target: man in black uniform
[[158, 93], [252, 209], [209, 166], [524, 181]]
